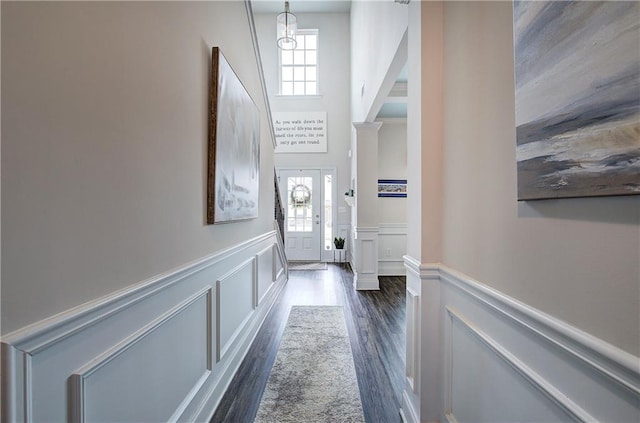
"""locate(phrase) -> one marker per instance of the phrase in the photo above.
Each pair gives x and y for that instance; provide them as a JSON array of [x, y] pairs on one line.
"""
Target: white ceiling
[[302, 6]]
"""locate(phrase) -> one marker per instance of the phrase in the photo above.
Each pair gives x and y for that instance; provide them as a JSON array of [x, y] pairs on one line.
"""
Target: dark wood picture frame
[[233, 174]]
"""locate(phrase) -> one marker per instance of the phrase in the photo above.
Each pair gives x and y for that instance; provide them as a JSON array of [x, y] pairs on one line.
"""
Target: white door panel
[[301, 195]]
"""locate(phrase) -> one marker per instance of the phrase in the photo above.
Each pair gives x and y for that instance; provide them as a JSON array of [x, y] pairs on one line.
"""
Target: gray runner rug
[[313, 378]]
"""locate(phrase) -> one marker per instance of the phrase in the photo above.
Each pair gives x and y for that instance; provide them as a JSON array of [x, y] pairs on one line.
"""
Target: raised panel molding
[[553, 367], [368, 255], [568, 407], [392, 242], [365, 264], [280, 265], [413, 350], [47, 367], [265, 273], [80, 376], [232, 316], [618, 366]]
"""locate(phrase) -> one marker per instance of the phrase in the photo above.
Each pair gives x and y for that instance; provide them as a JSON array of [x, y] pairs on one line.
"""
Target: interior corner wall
[[0, 158], [392, 164], [333, 70], [104, 146], [575, 259], [392, 211], [377, 30]]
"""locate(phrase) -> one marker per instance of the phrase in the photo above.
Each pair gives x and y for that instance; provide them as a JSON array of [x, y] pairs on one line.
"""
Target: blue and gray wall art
[[577, 73]]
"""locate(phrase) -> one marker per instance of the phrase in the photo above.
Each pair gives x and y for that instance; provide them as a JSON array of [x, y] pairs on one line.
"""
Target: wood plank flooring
[[376, 325]]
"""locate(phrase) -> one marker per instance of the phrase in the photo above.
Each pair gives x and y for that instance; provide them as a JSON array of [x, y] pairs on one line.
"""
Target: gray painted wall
[[333, 68], [377, 28], [104, 142], [577, 259], [392, 164]]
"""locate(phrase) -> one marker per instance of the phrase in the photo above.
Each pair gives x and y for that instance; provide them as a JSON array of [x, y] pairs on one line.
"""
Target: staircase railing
[[278, 206]]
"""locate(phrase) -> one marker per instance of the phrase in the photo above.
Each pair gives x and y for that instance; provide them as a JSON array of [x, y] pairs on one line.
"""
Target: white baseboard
[[391, 268], [162, 350], [407, 410], [363, 282], [501, 359]]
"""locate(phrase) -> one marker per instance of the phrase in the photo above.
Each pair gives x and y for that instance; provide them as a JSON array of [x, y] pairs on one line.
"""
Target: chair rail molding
[[191, 325], [552, 370]]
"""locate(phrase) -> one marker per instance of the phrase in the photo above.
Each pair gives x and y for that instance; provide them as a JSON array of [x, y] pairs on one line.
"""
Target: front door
[[301, 196]]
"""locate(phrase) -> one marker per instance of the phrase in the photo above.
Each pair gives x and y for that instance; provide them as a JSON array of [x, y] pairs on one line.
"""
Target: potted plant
[[339, 254]]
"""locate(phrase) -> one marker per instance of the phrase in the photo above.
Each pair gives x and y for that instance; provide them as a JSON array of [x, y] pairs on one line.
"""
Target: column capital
[[359, 126]]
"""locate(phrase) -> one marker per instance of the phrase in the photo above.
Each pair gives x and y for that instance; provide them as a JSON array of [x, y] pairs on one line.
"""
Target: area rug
[[307, 266], [313, 378]]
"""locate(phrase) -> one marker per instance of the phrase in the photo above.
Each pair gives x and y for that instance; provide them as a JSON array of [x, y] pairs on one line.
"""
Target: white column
[[422, 397], [365, 210]]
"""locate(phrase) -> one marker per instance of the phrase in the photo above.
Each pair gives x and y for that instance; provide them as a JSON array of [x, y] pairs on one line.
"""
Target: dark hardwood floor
[[376, 325]]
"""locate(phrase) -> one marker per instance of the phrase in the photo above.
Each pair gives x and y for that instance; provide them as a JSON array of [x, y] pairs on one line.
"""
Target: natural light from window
[[299, 67], [328, 213]]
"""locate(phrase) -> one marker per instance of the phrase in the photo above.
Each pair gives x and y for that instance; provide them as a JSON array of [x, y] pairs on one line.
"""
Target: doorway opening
[[308, 197]]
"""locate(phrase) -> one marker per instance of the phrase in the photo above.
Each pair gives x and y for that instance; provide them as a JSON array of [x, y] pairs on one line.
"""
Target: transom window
[[299, 67]]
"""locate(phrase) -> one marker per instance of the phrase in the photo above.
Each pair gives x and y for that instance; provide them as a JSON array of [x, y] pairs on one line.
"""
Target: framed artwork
[[392, 188], [577, 76], [234, 147]]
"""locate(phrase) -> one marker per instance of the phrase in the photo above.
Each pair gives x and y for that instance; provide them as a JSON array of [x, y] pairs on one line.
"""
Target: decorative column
[[364, 174]]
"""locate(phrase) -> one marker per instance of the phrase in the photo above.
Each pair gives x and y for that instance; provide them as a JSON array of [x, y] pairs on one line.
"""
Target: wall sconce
[[348, 197]]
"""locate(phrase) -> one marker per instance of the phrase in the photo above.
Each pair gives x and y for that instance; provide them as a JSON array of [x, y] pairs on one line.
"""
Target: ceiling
[[302, 6]]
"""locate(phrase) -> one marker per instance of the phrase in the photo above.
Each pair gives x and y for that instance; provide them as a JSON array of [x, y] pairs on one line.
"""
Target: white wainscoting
[[502, 360], [162, 350], [392, 246], [365, 258]]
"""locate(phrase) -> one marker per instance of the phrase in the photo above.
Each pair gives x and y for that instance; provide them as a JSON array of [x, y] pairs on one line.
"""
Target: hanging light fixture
[[287, 25]]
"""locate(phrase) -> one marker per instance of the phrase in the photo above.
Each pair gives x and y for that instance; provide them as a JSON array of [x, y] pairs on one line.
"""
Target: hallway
[[376, 325]]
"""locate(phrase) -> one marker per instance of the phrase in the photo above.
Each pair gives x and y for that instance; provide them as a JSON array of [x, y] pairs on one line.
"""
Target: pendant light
[[287, 25]]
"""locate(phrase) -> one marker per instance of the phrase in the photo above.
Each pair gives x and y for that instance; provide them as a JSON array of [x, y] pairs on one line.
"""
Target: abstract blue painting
[[577, 74]]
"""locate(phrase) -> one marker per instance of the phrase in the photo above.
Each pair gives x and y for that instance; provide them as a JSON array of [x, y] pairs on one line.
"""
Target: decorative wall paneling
[[365, 258], [162, 350], [502, 360], [280, 265], [392, 246]]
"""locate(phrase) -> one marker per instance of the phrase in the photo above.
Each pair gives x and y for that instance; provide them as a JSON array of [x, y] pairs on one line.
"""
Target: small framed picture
[[392, 188]]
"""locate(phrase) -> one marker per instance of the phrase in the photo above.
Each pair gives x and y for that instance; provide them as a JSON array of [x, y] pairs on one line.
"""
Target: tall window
[[299, 67], [328, 213]]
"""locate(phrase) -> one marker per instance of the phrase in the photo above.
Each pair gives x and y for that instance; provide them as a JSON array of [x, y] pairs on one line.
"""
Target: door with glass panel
[[301, 197]]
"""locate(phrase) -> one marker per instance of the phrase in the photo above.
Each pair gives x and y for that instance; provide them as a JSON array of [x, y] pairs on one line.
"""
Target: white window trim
[[305, 96]]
